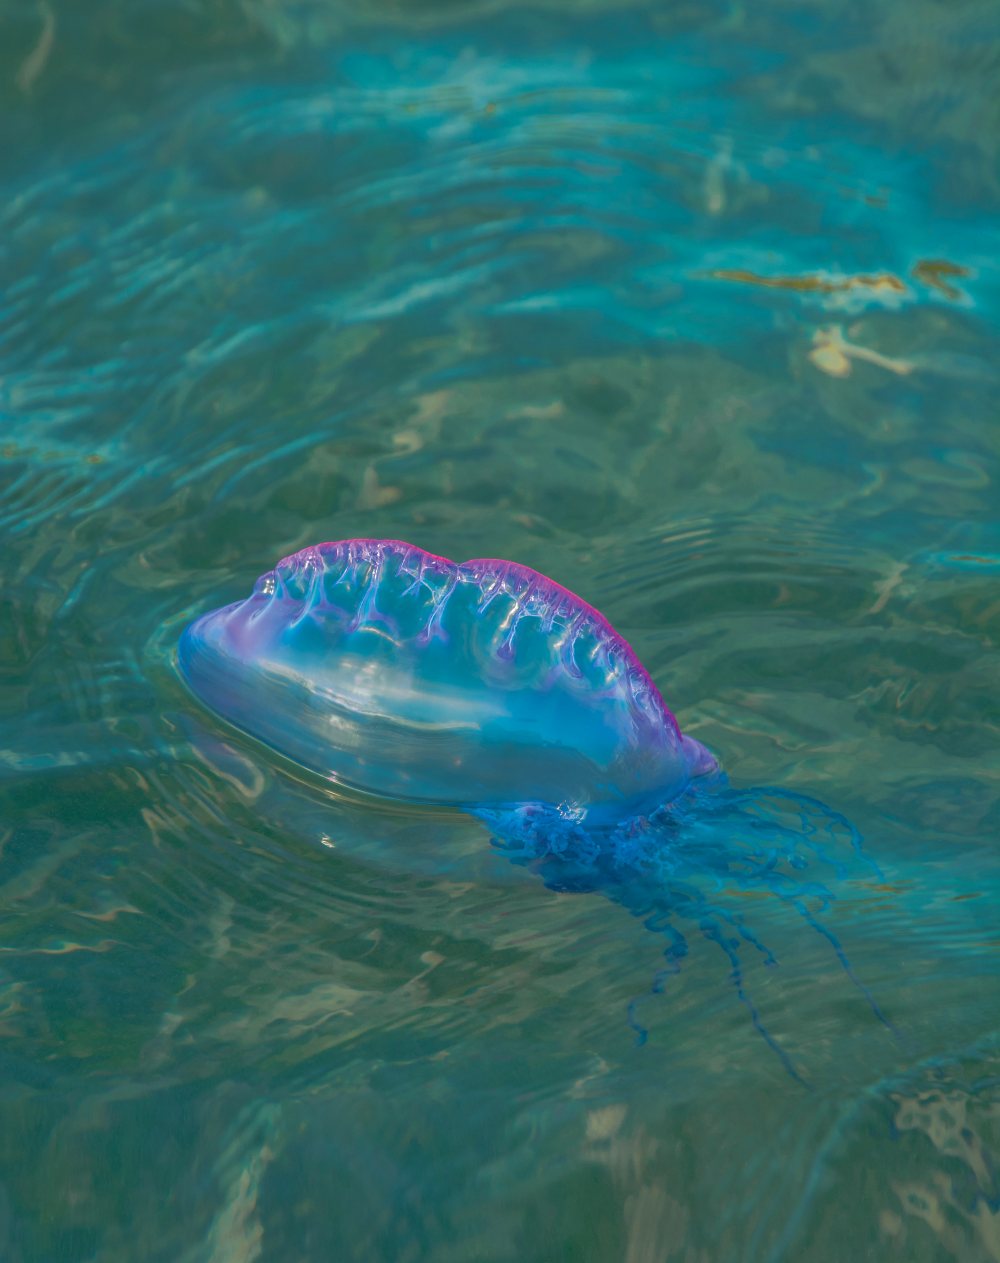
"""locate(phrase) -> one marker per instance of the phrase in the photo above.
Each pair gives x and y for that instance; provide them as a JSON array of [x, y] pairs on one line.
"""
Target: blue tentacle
[[760, 838]]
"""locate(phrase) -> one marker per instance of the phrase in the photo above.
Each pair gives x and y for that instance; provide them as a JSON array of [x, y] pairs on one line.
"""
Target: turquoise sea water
[[692, 307]]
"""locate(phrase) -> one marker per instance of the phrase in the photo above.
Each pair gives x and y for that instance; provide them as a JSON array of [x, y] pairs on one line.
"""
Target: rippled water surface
[[692, 307]]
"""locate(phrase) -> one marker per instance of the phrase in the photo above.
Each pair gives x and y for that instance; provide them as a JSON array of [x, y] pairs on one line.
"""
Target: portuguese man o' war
[[487, 687]]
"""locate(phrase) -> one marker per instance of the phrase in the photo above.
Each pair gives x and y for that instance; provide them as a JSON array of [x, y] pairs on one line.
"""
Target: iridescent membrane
[[402, 674]]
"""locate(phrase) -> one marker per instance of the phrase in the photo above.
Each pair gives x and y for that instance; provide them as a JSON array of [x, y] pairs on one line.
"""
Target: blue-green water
[[491, 280]]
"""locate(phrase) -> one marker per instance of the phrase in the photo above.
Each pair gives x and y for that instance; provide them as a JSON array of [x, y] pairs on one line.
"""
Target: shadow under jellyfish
[[487, 687]]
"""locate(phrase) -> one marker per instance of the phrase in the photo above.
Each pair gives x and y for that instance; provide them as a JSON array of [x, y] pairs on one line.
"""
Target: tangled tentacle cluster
[[680, 861]]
